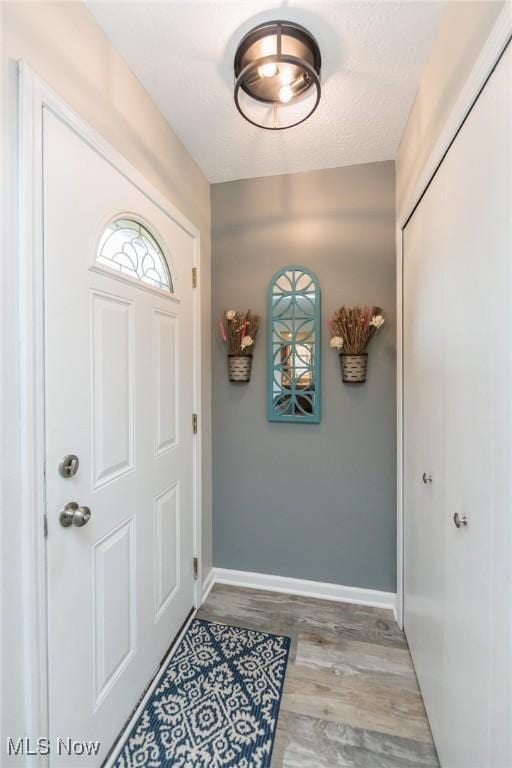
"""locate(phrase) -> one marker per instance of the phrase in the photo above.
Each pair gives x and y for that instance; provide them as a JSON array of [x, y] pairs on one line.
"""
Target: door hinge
[[195, 566], [45, 526], [194, 277], [194, 423]]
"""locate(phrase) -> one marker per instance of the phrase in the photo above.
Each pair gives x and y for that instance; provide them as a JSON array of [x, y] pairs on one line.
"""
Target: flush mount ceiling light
[[277, 75]]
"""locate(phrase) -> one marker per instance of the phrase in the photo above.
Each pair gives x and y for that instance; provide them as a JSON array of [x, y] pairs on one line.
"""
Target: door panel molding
[[35, 96], [167, 580], [111, 384], [165, 424], [121, 537]]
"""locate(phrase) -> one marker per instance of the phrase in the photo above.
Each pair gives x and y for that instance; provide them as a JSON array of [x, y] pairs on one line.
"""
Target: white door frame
[[491, 52], [34, 95]]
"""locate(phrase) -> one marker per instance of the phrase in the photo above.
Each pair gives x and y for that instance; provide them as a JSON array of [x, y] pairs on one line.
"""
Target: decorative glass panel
[[294, 346], [127, 246]]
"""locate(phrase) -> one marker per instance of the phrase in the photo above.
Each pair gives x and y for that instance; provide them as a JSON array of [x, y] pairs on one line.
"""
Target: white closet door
[[457, 252], [424, 319]]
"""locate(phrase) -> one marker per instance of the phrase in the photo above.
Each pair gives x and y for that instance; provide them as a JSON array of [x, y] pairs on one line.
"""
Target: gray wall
[[309, 501]]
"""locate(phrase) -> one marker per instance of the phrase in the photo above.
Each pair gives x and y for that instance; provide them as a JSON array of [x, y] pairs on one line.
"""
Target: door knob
[[426, 478], [73, 514], [460, 520]]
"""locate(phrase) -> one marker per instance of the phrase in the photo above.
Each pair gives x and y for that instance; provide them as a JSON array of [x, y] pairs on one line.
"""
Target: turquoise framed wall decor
[[293, 392]]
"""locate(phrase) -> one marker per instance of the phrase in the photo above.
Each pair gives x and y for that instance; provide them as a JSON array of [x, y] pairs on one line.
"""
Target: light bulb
[[285, 94], [286, 76], [267, 70]]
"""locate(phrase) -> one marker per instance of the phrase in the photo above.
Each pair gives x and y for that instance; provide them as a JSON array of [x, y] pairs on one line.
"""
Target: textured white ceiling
[[182, 52]]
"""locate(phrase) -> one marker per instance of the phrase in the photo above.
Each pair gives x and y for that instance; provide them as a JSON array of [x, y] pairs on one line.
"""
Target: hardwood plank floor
[[351, 698]]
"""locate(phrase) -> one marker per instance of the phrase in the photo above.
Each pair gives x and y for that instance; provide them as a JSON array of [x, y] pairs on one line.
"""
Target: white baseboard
[[303, 587], [208, 583]]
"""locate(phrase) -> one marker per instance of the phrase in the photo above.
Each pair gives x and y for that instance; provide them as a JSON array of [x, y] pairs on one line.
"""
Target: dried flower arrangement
[[239, 331], [352, 329]]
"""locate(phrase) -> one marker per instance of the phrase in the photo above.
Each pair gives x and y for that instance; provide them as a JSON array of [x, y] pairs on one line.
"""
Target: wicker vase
[[353, 368], [239, 368]]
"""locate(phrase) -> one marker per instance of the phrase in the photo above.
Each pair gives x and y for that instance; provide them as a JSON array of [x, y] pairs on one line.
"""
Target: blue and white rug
[[216, 704]]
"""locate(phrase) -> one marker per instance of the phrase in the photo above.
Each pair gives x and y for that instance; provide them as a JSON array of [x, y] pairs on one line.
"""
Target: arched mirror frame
[[273, 413]]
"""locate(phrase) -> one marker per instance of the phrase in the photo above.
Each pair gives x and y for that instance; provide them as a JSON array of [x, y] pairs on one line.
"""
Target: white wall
[[463, 29], [62, 42]]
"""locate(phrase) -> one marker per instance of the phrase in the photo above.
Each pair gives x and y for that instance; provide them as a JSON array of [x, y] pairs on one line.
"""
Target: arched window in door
[[128, 246]]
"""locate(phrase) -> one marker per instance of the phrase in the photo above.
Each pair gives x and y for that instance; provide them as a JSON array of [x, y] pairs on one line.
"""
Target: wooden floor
[[351, 697]]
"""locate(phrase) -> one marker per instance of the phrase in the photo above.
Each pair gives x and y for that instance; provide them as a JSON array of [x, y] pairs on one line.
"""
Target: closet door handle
[[460, 520], [426, 478]]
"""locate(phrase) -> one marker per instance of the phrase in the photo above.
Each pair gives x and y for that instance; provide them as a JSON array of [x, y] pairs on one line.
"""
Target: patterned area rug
[[216, 704]]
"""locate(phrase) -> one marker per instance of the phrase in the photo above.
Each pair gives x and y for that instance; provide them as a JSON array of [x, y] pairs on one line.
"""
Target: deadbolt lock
[[68, 465]]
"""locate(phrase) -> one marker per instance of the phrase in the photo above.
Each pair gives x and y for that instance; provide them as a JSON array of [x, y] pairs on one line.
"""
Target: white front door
[[119, 396]]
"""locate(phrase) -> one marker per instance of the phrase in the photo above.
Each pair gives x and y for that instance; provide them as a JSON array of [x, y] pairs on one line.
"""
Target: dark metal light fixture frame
[[245, 70]]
